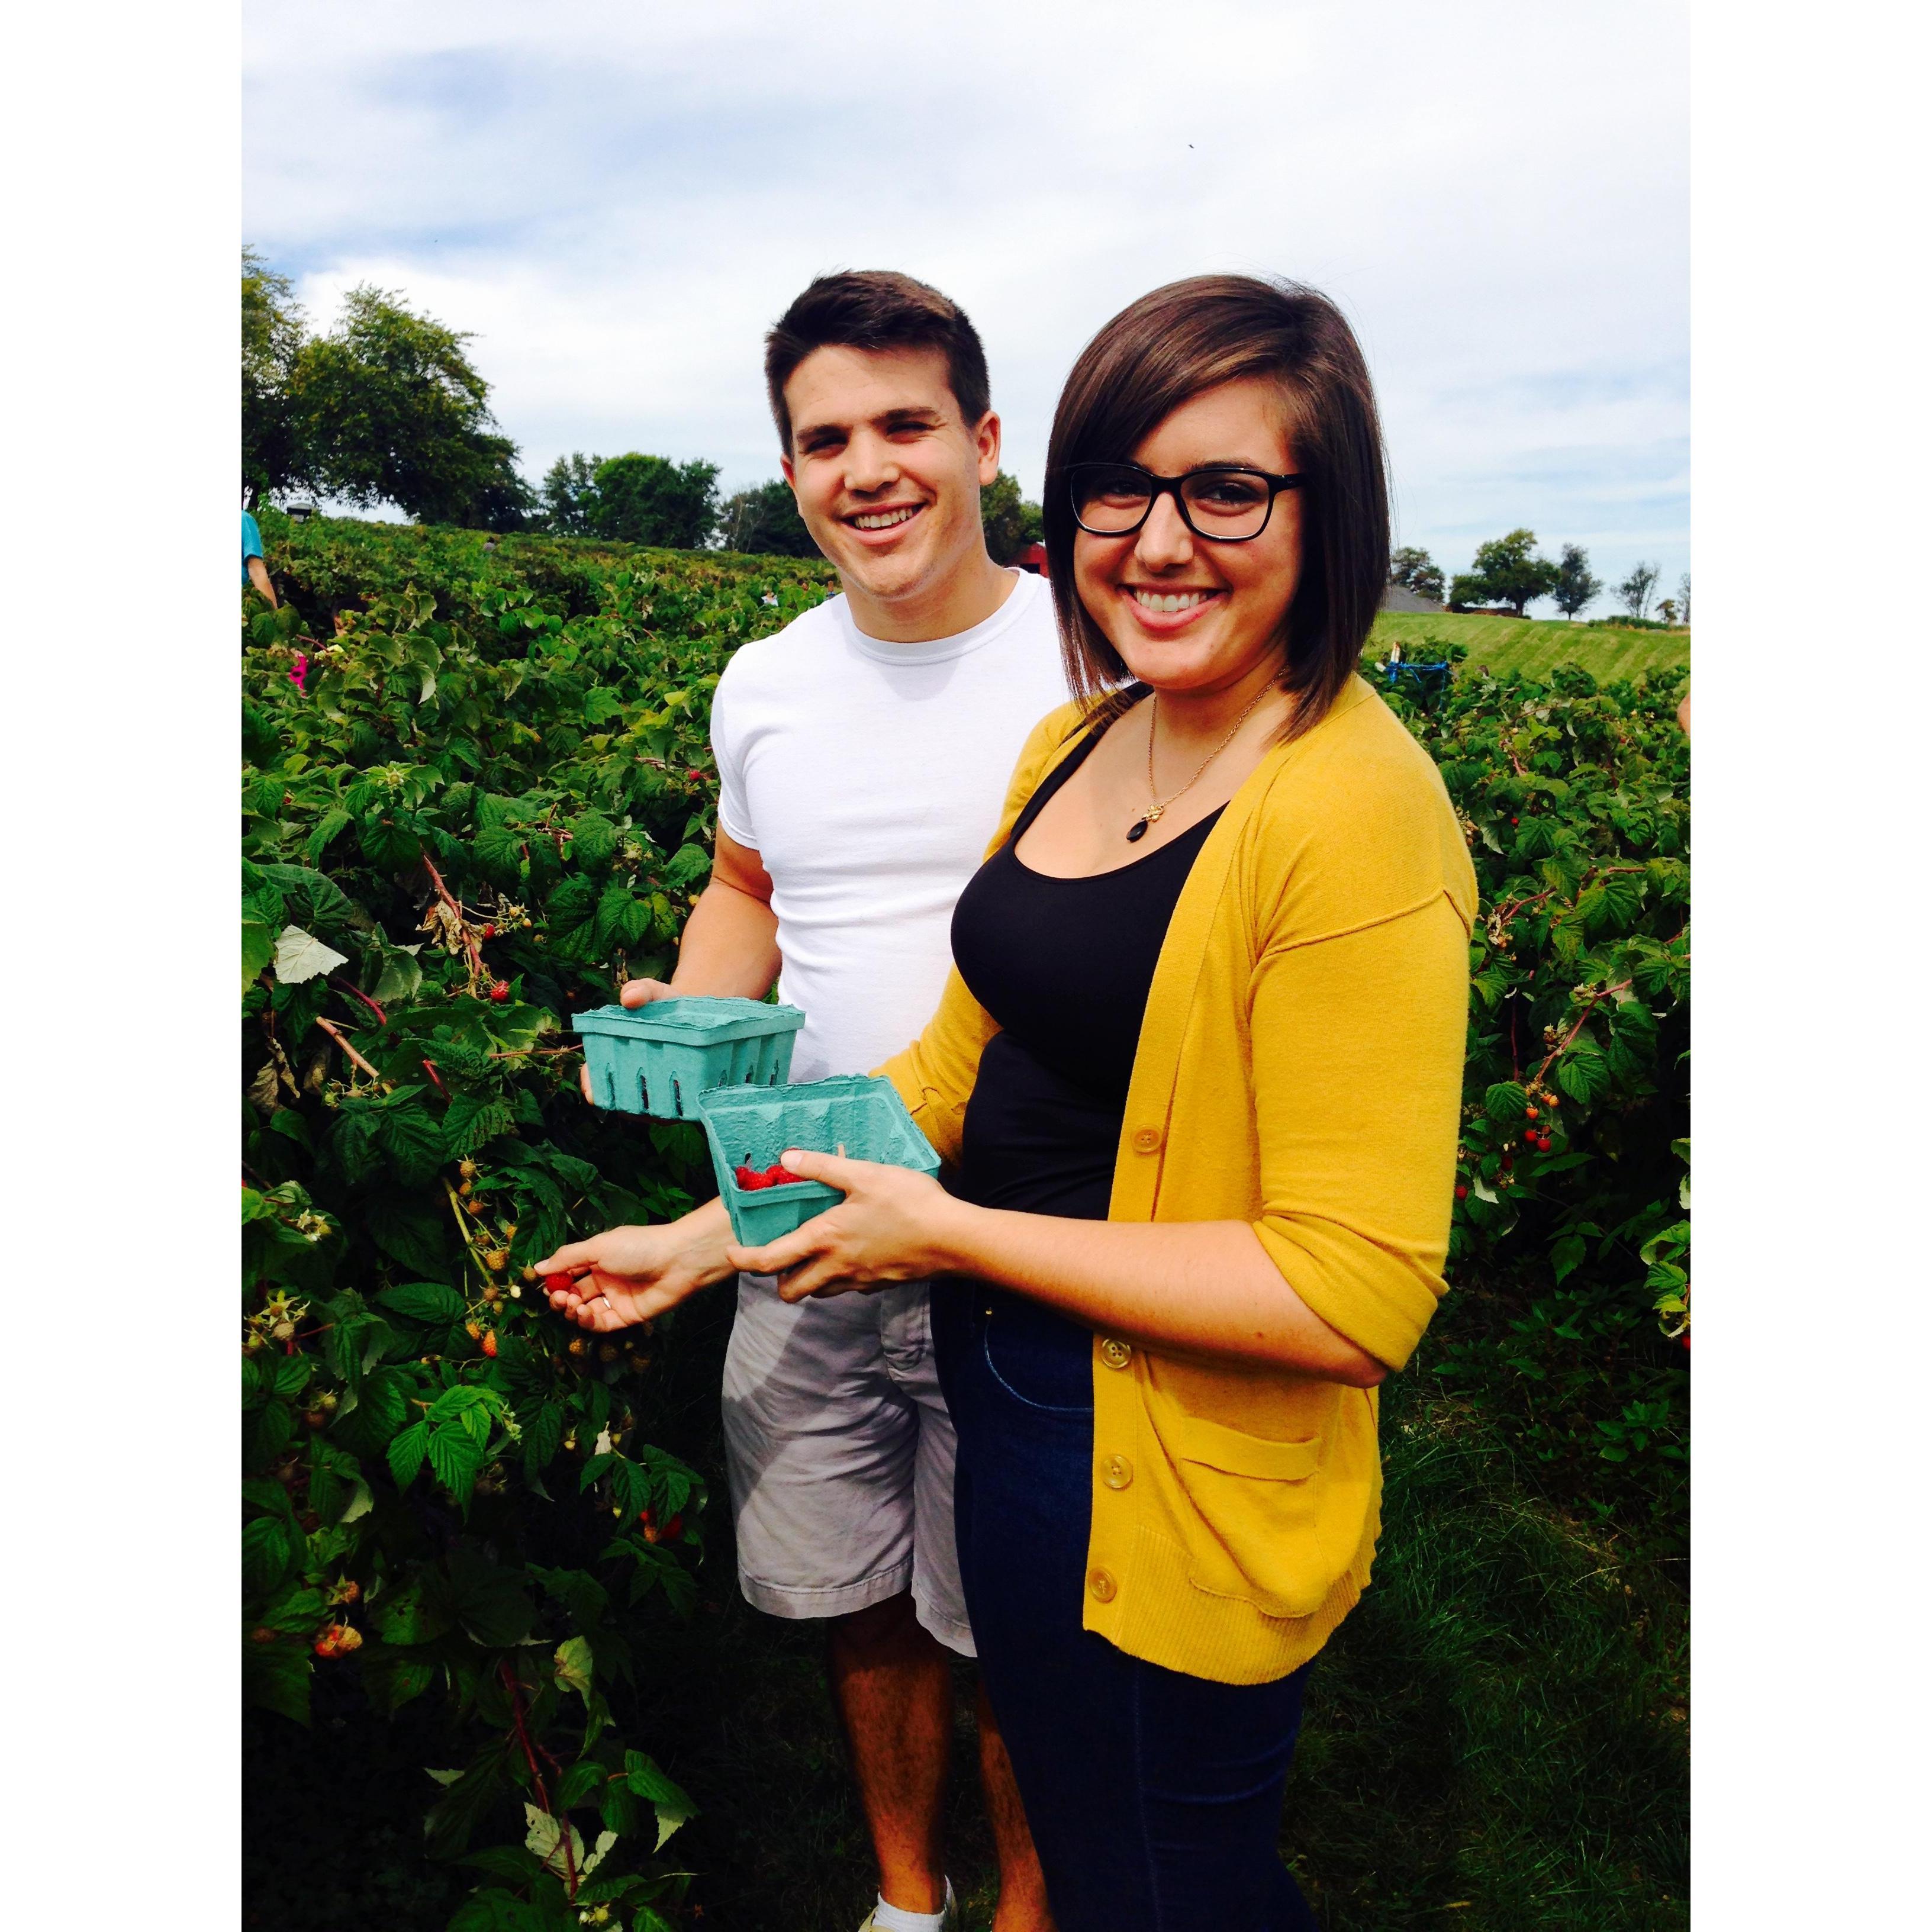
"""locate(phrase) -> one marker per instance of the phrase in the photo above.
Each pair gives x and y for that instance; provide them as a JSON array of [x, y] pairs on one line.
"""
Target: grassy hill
[[1534, 647]]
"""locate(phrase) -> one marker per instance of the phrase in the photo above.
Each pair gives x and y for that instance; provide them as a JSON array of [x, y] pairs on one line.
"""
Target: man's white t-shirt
[[869, 776]]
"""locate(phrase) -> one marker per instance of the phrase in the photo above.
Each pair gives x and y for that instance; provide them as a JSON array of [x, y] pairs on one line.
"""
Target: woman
[[1197, 1074]]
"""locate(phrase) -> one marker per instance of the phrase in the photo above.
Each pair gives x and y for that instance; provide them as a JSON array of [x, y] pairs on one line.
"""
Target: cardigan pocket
[[1259, 1501]]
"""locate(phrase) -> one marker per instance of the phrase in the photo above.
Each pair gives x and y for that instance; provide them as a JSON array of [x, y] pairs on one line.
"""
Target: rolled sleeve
[[1358, 1056]]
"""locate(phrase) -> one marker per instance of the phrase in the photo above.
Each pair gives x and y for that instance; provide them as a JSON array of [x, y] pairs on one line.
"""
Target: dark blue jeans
[[1154, 1797]]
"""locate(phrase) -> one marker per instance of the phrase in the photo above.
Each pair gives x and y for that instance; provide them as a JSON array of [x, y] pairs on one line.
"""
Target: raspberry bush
[[476, 794], [1570, 1251], [468, 811]]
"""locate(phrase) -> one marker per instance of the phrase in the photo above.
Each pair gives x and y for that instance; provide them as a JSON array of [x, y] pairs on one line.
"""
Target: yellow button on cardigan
[[1299, 1068]]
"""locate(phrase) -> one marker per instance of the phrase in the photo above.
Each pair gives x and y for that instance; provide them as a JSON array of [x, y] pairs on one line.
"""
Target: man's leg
[[821, 1442], [1023, 1906], [893, 1684]]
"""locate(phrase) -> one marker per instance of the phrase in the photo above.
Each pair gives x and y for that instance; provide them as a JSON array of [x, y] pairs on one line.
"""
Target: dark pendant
[[1138, 829]]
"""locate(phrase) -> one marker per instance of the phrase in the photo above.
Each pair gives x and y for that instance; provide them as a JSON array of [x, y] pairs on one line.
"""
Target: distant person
[[254, 568], [862, 752]]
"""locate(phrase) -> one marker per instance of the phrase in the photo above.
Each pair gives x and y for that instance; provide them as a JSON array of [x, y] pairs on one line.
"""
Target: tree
[[764, 521], [1575, 585], [649, 499], [1416, 570], [1010, 522], [1635, 590], [1506, 571], [1683, 599], [568, 494], [272, 340], [392, 411]]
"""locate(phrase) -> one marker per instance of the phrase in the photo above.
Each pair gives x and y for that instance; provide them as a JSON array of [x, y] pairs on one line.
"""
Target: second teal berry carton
[[858, 1114], [658, 1059]]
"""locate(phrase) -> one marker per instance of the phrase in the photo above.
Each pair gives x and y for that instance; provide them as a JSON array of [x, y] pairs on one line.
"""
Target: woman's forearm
[[1200, 1287]]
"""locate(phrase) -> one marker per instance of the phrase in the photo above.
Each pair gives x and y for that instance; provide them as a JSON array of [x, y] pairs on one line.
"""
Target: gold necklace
[[1138, 828]]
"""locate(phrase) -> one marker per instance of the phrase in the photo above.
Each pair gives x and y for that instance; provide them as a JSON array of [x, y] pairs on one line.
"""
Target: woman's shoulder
[[1357, 814]]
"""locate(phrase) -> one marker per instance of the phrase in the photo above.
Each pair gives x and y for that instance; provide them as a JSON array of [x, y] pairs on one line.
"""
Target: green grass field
[[1534, 647]]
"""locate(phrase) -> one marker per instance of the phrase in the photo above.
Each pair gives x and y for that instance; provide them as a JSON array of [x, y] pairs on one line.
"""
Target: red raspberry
[[560, 1284], [500, 991], [1462, 1192], [750, 1179], [489, 1343], [673, 1529], [489, 932]]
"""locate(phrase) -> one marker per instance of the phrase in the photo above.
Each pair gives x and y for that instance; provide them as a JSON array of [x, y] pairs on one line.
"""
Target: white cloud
[[618, 201]]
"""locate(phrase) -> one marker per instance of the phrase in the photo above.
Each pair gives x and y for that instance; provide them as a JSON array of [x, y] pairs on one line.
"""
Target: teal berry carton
[[858, 1115], [658, 1059]]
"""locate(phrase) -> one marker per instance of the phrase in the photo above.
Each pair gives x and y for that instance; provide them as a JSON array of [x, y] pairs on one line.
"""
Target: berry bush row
[[476, 794]]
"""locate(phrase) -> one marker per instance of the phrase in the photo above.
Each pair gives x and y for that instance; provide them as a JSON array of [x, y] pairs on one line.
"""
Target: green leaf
[[1566, 1253], [412, 1616], [401, 977], [592, 838], [381, 1407], [543, 1436], [455, 1457], [1583, 1072], [473, 1120], [574, 1667], [331, 827], [491, 1603], [428, 1301], [392, 1677], [413, 1142], [267, 1552], [258, 951], [1505, 1102], [407, 1452], [579, 1783], [277, 1677], [661, 1793], [411, 1231]]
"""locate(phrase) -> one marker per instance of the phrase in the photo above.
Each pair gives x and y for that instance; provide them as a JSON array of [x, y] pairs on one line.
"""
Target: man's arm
[[730, 942], [258, 575]]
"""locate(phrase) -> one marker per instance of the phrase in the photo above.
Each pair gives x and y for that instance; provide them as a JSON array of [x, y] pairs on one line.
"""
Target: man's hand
[[627, 1275], [632, 993], [894, 1225]]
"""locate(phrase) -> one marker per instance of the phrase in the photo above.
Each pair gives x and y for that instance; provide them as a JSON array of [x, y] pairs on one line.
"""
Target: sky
[[618, 200]]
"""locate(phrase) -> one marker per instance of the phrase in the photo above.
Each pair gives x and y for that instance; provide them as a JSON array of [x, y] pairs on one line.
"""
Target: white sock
[[896, 1918]]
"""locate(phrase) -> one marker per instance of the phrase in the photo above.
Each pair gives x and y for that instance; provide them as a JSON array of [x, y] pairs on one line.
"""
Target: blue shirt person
[[254, 570]]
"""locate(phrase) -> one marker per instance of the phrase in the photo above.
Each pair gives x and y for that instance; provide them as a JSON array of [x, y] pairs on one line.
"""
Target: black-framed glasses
[[1224, 503]]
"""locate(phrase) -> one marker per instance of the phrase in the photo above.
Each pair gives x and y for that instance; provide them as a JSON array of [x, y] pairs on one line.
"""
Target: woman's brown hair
[[1170, 346]]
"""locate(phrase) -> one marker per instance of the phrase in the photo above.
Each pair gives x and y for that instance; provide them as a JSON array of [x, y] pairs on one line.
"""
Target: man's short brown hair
[[877, 309]]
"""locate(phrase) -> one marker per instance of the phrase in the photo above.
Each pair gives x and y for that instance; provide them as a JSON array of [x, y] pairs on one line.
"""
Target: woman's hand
[[626, 1275], [894, 1225]]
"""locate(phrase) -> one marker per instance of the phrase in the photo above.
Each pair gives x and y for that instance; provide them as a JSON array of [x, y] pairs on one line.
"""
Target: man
[[862, 755], [254, 570]]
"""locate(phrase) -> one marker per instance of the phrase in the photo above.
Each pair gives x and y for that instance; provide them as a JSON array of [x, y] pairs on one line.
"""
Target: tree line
[[387, 407], [1508, 571]]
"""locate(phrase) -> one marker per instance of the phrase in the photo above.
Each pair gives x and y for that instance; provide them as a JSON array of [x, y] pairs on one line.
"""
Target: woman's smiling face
[[1185, 614]]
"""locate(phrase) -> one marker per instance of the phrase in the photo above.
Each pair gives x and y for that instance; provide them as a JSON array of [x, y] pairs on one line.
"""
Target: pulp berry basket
[[861, 1113], [657, 1059]]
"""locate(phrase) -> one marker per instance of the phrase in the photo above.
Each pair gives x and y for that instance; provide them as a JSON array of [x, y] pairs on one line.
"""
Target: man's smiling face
[[886, 473]]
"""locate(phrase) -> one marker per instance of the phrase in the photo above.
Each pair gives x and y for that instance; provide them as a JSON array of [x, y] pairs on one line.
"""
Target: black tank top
[[1064, 966]]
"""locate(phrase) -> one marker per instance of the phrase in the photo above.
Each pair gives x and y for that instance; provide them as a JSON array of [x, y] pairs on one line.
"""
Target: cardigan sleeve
[[1359, 1008], [935, 1075], [1358, 1041]]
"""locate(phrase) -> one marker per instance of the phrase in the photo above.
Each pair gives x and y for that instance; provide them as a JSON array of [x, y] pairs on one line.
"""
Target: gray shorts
[[841, 1455]]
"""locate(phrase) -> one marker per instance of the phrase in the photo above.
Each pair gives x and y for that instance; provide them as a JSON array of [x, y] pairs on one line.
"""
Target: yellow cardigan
[[1299, 1068]]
